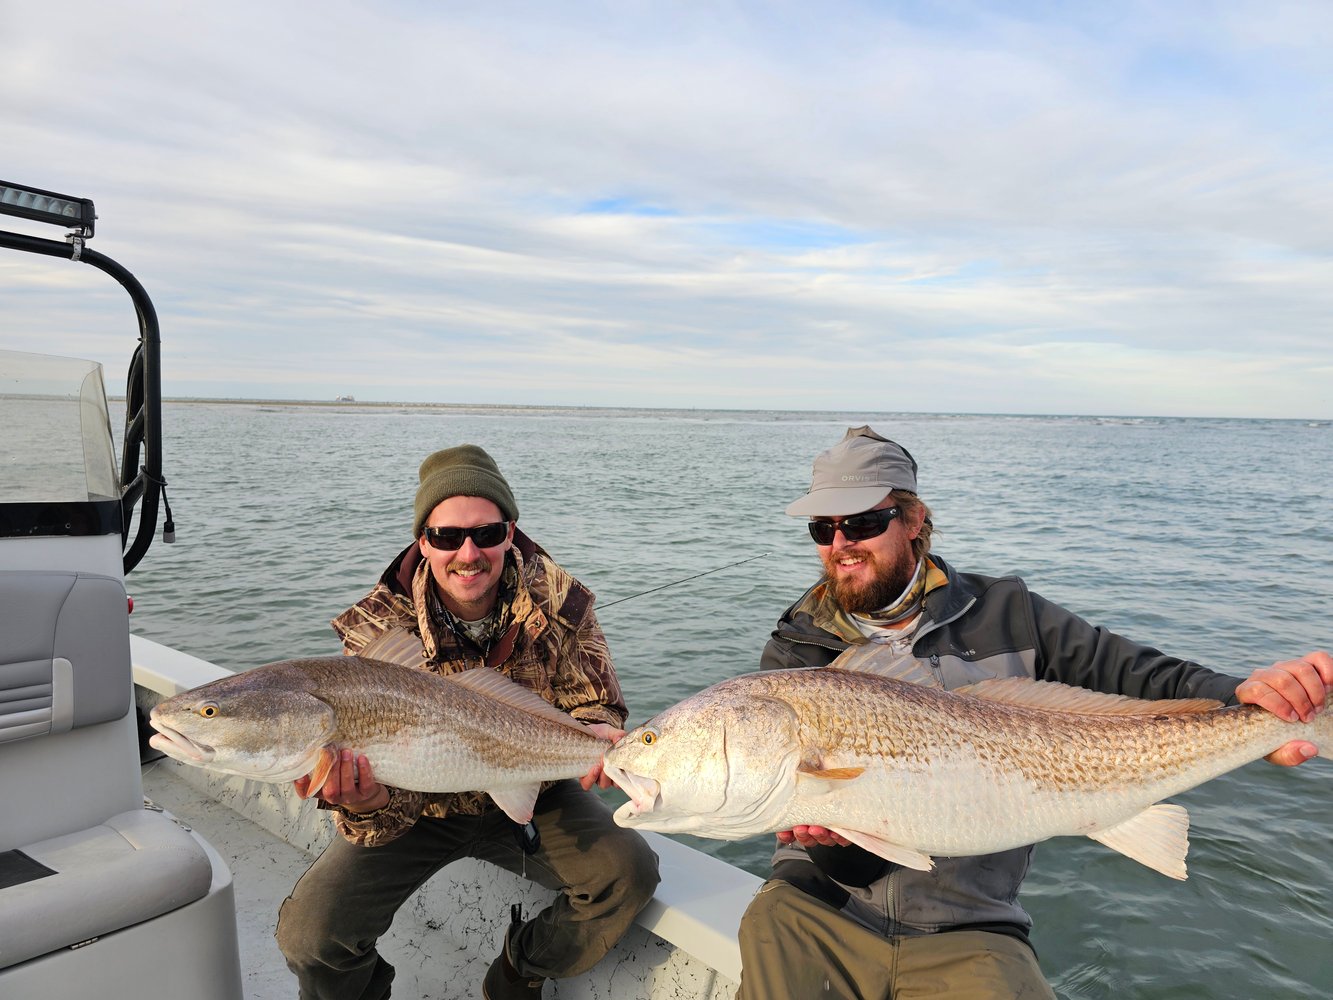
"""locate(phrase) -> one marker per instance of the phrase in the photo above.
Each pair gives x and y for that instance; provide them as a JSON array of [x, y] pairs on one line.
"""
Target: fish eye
[[208, 709], [648, 737]]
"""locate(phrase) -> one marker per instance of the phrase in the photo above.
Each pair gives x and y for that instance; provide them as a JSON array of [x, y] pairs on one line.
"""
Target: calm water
[[1208, 538]]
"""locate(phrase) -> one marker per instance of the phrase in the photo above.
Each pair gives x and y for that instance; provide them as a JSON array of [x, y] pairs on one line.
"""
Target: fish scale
[[911, 771]]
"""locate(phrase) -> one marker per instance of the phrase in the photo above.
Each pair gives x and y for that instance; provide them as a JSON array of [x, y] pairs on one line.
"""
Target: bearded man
[[837, 921]]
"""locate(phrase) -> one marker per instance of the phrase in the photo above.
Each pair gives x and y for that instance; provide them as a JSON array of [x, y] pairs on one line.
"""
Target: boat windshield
[[56, 445]]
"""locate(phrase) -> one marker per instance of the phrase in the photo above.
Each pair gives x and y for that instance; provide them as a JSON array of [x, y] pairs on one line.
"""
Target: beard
[[890, 577]]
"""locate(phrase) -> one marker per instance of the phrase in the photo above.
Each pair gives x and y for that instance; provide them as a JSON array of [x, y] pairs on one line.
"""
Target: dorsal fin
[[397, 645], [498, 687], [1055, 697], [876, 658]]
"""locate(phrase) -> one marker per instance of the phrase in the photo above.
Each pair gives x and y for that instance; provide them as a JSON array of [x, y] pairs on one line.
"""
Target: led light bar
[[47, 206]]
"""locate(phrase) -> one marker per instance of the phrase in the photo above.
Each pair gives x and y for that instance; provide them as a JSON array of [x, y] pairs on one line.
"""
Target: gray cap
[[855, 475]]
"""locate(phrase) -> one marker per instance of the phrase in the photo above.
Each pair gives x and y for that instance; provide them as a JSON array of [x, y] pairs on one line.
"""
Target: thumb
[[1293, 753]]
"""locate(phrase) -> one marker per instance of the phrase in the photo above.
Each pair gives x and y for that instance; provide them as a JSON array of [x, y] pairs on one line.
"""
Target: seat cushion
[[135, 866]]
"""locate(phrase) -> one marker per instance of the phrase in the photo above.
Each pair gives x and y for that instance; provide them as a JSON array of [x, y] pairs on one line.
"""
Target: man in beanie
[[837, 921], [478, 593]]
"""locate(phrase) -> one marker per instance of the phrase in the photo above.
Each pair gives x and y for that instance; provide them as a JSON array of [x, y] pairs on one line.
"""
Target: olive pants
[[795, 946], [328, 926]]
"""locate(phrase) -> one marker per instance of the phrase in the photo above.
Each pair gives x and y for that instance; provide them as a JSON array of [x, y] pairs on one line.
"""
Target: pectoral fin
[[896, 853], [517, 803], [326, 757], [1157, 837], [816, 780]]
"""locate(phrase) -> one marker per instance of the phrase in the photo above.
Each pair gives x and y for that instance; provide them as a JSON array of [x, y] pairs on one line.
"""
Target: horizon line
[[386, 404]]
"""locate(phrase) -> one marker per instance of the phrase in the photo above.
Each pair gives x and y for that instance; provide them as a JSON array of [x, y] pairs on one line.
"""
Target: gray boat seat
[[80, 856], [135, 866], [55, 672]]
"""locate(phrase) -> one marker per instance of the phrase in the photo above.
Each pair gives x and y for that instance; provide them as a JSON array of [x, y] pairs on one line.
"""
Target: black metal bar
[[143, 394], [37, 244]]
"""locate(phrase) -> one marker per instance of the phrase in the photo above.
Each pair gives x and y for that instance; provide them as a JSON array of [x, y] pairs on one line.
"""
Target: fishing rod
[[687, 579]]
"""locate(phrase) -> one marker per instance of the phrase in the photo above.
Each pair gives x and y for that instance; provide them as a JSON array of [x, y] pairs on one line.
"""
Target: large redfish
[[471, 731], [910, 771]]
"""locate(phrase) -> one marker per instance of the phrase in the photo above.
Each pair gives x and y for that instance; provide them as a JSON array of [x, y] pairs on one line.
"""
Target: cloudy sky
[[1114, 208]]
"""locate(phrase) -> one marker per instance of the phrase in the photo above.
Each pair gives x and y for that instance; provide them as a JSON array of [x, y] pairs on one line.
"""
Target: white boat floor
[[264, 868]]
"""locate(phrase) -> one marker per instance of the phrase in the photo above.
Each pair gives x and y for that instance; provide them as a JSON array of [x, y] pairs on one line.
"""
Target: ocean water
[[1207, 538]]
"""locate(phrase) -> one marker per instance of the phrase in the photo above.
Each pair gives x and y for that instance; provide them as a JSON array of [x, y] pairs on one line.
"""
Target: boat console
[[101, 893]]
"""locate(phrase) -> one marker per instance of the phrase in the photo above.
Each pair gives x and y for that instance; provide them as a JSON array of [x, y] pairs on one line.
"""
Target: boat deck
[[264, 868]]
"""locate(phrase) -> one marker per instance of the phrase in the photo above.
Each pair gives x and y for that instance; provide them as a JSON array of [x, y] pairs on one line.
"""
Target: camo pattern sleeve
[[372, 616], [383, 825], [584, 679]]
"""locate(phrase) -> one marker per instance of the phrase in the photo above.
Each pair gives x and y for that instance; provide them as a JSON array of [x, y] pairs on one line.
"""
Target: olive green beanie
[[461, 471]]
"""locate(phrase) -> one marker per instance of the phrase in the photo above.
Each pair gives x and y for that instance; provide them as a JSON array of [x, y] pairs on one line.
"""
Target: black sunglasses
[[484, 535], [856, 528]]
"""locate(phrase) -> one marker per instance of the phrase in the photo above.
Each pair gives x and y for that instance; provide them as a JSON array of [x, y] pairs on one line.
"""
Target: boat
[[122, 871]]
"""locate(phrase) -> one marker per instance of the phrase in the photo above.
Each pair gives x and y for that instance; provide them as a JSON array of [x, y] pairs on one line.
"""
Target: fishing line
[[687, 579]]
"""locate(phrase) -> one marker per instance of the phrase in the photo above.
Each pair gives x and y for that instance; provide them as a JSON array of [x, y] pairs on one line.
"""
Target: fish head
[[715, 762], [267, 724]]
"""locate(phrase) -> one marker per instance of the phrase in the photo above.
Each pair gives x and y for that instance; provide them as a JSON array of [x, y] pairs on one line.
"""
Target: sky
[[1101, 208]]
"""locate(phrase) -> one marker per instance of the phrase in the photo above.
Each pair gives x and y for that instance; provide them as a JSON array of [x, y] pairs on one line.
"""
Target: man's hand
[[809, 836], [595, 775], [1293, 690], [350, 784]]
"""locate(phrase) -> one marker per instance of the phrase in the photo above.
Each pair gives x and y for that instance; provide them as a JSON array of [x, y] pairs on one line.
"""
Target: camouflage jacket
[[550, 642]]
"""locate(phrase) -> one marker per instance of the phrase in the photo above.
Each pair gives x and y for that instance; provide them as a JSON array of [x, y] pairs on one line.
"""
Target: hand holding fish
[[1293, 690], [595, 775], [351, 785], [812, 836]]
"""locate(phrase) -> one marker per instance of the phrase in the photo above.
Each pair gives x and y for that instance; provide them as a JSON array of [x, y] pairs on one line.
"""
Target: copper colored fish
[[910, 771]]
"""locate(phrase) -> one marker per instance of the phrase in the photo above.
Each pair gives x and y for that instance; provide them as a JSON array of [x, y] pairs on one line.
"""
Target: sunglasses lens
[[863, 526], [822, 532], [487, 535], [445, 538]]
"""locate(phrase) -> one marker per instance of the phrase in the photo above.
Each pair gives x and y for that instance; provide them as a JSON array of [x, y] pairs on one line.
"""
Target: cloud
[[962, 207]]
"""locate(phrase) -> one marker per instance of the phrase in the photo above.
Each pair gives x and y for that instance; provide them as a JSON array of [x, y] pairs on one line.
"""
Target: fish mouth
[[176, 744], [645, 794]]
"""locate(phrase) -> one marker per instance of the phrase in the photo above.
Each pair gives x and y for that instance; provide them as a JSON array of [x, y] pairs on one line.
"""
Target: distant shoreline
[[603, 408], [379, 404], [373, 404]]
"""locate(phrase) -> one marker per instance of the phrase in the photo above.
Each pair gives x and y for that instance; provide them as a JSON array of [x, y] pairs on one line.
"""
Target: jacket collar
[[944, 597]]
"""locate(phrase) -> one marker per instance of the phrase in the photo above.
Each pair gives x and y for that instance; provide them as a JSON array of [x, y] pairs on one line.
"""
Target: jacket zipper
[[931, 627]]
